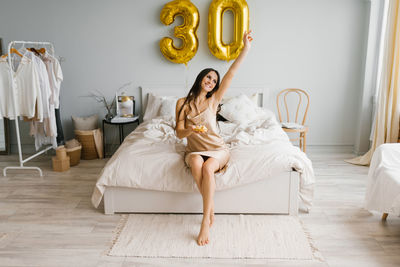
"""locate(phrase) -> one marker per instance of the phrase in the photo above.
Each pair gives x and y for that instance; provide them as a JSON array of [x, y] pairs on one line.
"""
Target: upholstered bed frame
[[277, 195]]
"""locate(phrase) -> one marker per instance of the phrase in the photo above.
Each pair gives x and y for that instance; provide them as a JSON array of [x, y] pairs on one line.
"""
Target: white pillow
[[153, 105], [240, 109], [253, 98], [159, 106], [168, 106]]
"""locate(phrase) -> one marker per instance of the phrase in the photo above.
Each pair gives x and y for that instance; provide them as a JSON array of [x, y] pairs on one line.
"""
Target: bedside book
[[291, 125], [119, 119]]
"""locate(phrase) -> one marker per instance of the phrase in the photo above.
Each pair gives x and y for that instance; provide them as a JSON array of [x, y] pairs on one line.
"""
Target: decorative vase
[[109, 116]]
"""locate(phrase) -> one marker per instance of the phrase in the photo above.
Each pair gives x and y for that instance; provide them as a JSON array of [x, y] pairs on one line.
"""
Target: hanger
[[41, 50], [32, 49], [14, 51], [38, 50]]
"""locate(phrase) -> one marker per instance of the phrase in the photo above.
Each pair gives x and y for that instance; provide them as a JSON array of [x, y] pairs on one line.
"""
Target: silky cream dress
[[208, 144]]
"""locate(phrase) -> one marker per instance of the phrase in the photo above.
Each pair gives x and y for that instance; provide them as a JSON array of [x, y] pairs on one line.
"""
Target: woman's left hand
[[247, 39]]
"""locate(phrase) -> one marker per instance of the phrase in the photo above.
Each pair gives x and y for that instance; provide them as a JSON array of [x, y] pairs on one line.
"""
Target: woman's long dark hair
[[196, 88]]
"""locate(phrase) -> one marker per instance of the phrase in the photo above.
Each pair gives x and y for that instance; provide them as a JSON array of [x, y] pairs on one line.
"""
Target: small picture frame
[[125, 106]]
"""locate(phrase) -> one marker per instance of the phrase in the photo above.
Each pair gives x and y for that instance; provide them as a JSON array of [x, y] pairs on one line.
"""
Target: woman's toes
[[202, 238]]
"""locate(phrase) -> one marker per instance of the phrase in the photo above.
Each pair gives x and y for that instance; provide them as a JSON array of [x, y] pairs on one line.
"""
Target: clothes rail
[[21, 160]]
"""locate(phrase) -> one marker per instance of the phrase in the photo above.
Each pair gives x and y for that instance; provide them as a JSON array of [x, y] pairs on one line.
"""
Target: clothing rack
[[21, 160]]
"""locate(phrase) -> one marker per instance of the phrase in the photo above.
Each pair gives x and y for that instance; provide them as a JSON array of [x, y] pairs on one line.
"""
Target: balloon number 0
[[187, 31], [241, 24]]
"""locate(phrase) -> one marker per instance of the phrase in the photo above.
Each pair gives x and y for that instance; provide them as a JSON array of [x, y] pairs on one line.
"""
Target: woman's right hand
[[247, 40]]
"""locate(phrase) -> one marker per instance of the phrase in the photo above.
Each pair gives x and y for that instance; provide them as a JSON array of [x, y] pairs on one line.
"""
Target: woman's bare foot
[[204, 233]]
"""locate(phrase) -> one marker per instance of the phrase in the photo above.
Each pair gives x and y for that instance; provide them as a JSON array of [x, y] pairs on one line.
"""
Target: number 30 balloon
[[216, 11], [186, 31]]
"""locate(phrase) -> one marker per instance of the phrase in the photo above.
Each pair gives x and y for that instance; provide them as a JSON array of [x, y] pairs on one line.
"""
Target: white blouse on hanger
[[44, 131], [27, 89], [55, 76], [43, 81], [5, 93], [47, 133]]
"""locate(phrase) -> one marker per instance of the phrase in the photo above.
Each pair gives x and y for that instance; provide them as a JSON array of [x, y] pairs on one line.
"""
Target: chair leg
[[304, 142], [301, 142], [384, 216]]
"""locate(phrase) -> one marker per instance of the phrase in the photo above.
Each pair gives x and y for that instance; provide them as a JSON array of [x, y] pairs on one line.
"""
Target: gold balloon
[[216, 11], [186, 31]]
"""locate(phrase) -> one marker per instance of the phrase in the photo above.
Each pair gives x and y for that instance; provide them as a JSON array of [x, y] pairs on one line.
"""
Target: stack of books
[[119, 119]]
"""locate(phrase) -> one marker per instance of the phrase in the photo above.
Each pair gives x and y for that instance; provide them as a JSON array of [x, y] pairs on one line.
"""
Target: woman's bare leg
[[196, 164], [212, 214], [196, 161], [210, 166]]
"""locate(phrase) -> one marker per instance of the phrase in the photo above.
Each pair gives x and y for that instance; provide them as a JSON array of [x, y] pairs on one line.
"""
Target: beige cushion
[[85, 123]]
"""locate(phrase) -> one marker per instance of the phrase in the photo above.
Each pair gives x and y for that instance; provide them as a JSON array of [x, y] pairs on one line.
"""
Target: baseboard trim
[[358, 153], [331, 148]]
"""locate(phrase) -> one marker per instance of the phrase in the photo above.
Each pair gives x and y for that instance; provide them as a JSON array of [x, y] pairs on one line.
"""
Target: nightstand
[[120, 130]]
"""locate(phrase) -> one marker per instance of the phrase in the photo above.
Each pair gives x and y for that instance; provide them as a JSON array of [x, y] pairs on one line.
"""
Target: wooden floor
[[49, 220]]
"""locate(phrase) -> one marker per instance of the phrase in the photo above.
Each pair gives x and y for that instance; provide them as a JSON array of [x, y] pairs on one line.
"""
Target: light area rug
[[278, 237]]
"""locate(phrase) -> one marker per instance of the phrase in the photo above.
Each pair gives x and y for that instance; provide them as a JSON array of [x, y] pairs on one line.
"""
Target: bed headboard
[[180, 91]]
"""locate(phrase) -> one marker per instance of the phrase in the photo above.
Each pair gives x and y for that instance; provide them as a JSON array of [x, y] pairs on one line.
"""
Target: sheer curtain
[[387, 117]]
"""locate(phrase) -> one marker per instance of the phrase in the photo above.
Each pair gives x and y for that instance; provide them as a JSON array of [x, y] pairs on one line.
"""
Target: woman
[[206, 152]]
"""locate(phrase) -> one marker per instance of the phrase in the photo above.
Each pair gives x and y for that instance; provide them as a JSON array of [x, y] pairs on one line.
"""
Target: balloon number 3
[[187, 31]]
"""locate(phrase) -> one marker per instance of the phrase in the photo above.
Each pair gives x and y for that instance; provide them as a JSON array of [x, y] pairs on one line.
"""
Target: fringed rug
[[231, 237]]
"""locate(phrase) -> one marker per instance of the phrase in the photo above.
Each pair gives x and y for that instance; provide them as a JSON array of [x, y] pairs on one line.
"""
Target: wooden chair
[[299, 128]]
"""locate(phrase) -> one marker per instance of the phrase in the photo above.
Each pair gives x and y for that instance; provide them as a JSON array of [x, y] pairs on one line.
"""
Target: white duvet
[[152, 157], [383, 189]]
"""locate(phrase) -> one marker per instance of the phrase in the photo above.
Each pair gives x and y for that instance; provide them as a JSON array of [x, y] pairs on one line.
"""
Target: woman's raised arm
[[226, 81]]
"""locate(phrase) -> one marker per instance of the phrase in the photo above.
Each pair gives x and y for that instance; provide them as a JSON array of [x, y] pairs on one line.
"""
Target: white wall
[[317, 45]]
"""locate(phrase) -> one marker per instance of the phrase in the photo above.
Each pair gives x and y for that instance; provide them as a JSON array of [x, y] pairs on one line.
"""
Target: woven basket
[[86, 138], [74, 155]]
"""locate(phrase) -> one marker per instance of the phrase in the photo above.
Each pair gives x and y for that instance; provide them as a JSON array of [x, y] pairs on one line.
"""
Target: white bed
[[266, 173]]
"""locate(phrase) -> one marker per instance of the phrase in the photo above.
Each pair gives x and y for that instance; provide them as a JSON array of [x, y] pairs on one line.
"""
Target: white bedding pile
[[383, 189], [152, 157]]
